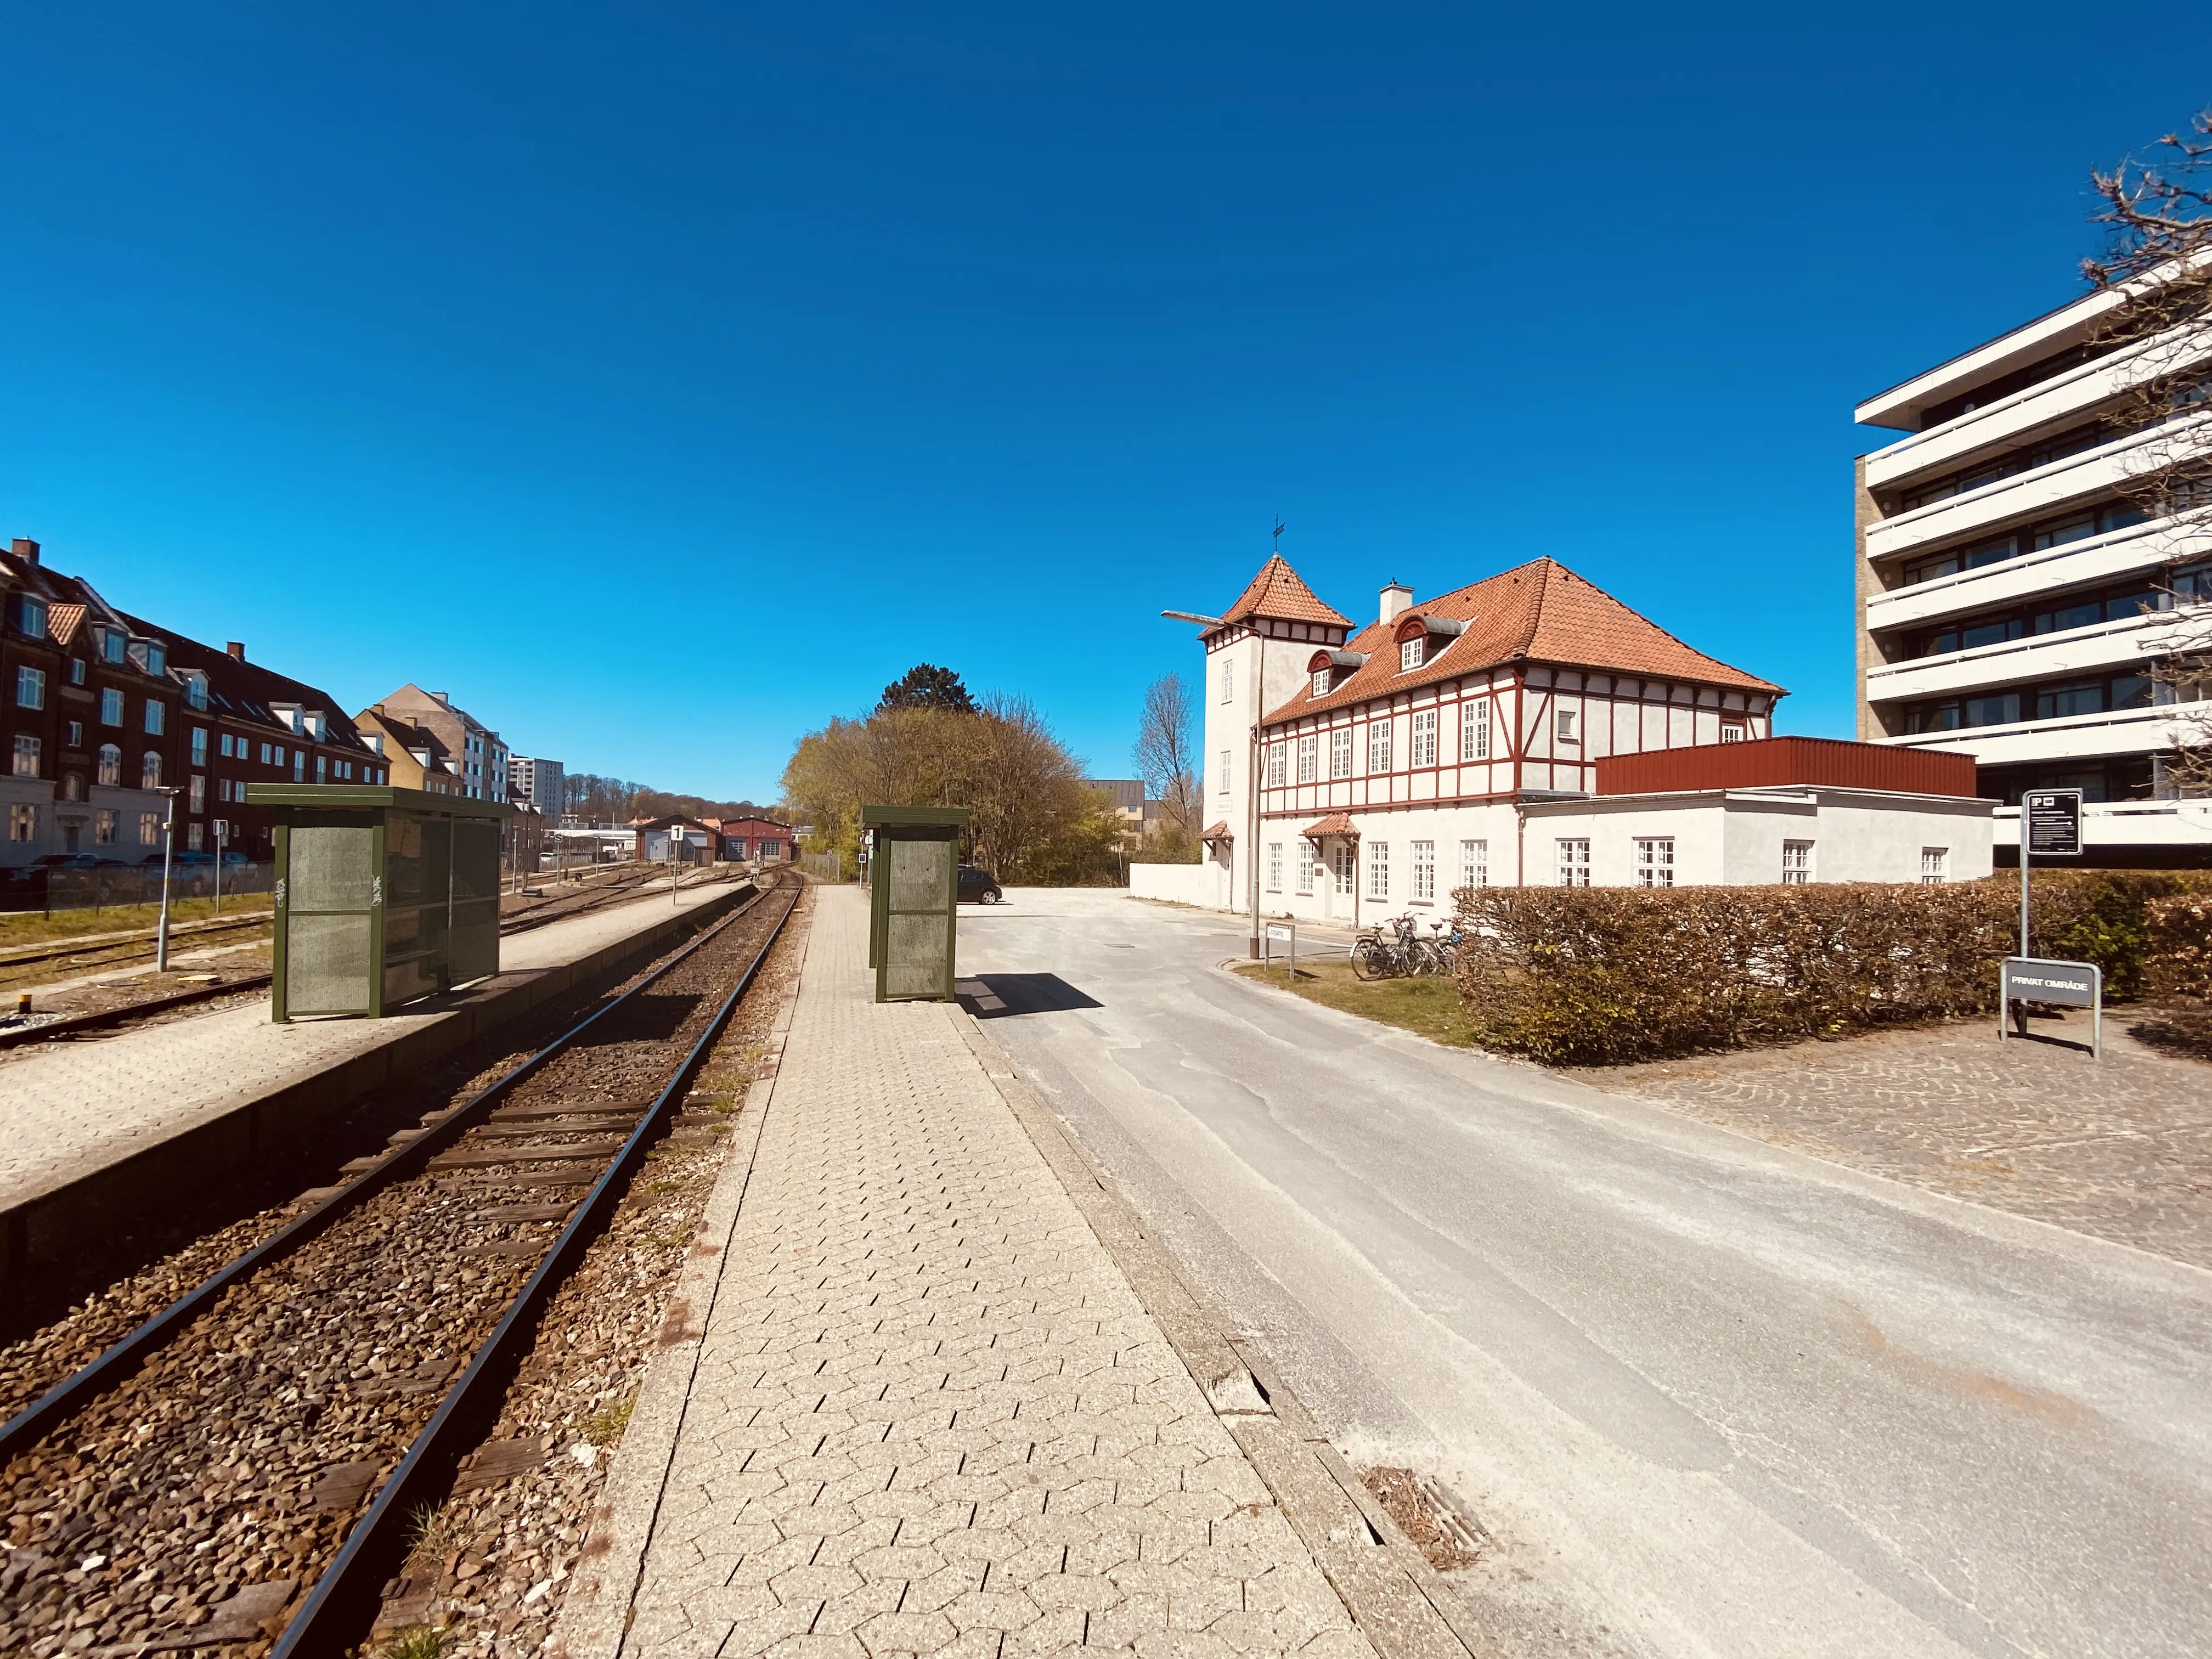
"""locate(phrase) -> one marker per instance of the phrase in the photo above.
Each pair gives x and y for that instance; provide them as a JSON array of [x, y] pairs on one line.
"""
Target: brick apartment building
[[105, 709], [480, 759], [417, 759]]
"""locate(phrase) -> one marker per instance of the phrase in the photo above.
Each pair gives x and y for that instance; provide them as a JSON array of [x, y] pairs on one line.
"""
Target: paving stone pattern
[[2120, 1148], [929, 1414]]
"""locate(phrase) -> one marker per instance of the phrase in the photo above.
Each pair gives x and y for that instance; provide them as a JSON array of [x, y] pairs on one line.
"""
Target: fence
[[119, 886], [829, 867]]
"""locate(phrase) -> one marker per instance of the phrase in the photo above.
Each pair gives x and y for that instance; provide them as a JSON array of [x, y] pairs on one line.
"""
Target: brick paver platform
[[928, 1412], [2120, 1147]]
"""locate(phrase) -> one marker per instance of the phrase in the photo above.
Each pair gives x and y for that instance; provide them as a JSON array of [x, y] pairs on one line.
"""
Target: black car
[[979, 887]]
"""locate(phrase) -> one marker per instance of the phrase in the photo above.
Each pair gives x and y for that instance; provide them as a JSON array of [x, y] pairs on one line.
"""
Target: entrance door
[[1342, 858]]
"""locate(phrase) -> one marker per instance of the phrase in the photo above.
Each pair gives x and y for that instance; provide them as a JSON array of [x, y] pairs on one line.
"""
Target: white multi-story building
[[2012, 600], [1465, 740], [538, 784]]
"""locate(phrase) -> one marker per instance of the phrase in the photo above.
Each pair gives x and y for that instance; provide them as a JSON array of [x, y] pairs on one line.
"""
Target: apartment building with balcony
[[2013, 600], [100, 711]]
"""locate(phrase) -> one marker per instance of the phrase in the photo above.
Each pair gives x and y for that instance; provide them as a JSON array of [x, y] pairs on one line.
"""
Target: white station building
[[1528, 729]]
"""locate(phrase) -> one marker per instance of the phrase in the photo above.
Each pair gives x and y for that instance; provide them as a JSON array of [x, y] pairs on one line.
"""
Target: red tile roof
[[1541, 611], [1217, 832], [1336, 823], [62, 620], [1279, 592]]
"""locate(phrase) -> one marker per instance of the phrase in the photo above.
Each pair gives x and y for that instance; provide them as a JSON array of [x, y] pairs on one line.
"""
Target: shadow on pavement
[[999, 996]]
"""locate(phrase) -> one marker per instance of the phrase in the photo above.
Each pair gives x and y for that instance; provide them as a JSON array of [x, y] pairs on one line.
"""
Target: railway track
[[238, 1475]]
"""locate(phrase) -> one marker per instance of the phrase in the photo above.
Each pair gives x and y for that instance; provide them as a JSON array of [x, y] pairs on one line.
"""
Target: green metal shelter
[[914, 897], [382, 895]]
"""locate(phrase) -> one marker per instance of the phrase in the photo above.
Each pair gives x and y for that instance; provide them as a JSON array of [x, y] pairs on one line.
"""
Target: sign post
[[1284, 933], [2068, 984], [2050, 827]]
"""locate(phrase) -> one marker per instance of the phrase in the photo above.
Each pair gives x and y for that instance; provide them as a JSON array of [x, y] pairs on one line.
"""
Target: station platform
[[91, 1126], [916, 1396]]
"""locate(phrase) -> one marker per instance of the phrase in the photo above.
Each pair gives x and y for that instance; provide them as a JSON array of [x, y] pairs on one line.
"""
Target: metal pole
[[219, 838], [168, 854]]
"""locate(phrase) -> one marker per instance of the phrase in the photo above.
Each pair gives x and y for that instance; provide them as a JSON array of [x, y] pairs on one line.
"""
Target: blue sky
[[662, 381]]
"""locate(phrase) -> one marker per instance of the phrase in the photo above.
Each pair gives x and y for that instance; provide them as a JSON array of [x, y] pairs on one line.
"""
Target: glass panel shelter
[[913, 895], [382, 895]]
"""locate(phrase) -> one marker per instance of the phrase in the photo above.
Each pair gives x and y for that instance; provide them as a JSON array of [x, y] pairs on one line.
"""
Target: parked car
[[979, 886]]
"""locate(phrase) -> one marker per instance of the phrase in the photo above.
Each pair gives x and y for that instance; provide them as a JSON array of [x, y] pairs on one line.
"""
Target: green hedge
[[1599, 975]]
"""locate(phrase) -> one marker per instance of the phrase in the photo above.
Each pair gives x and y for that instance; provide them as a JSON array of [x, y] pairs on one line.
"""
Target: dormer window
[[195, 695], [1321, 683], [1410, 653], [154, 657], [113, 646], [30, 616]]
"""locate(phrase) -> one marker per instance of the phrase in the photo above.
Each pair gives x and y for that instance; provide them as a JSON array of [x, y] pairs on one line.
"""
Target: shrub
[[1608, 975], [2178, 962]]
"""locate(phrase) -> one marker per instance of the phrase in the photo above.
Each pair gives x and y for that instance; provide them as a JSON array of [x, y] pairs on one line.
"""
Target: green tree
[[926, 685]]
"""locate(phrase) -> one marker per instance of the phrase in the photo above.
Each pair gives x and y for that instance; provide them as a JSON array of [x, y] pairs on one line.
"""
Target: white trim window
[[1321, 682], [1279, 762], [1475, 864], [149, 770], [1655, 860], [1796, 863], [199, 793], [23, 821], [111, 767], [1221, 777], [26, 758], [1309, 759], [1340, 752], [1731, 731], [1409, 654], [149, 829], [1934, 865], [1378, 746], [1565, 726], [1379, 869], [157, 717], [1424, 736], [199, 745], [1308, 857], [1345, 857], [1574, 861], [1425, 869], [1274, 867], [1474, 730], [111, 706], [1229, 679], [30, 688]]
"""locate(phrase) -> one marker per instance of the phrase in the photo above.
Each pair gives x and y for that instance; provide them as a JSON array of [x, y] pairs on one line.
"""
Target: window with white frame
[[193, 837], [74, 735], [1475, 864], [111, 707], [1228, 680], [149, 770], [1566, 725], [1409, 653], [103, 826], [1274, 867], [77, 671], [113, 646], [1278, 761], [1934, 865], [1321, 682], [299, 766], [199, 793], [1309, 758], [1221, 775], [1474, 730], [199, 745], [1574, 861], [1307, 859], [1344, 856], [1655, 860], [149, 829], [1425, 869], [31, 615], [110, 764], [22, 823], [196, 691], [1731, 731], [26, 756], [157, 716], [1340, 752], [1379, 869], [1378, 746], [30, 688], [1424, 736]]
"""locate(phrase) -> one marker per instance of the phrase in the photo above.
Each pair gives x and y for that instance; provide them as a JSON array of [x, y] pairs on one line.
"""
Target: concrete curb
[[51, 1225], [1397, 1601], [594, 1616]]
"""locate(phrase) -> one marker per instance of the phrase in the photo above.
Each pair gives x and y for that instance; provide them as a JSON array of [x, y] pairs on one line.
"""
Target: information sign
[[1285, 934], [2053, 821]]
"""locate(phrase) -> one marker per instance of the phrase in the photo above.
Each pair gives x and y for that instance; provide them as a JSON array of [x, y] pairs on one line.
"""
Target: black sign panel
[[2052, 819]]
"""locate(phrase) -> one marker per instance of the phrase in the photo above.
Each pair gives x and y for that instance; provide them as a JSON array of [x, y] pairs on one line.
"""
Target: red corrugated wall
[[1788, 760]]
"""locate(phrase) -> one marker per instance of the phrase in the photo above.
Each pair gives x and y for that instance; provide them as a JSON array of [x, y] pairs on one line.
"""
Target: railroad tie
[[567, 1151]]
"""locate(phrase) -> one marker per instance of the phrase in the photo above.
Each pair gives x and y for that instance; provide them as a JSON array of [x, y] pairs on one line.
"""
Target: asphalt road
[[1706, 1396]]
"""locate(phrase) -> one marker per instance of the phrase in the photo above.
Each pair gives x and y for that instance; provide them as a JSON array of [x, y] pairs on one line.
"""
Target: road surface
[[1706, 1396]]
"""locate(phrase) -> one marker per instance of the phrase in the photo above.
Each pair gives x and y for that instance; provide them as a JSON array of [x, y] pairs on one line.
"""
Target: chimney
[[236, 650], [1397, 601], [26, 549]]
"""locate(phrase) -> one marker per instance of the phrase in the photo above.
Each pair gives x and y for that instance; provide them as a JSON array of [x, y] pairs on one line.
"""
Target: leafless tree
[[1167, 759], [2158, 261]]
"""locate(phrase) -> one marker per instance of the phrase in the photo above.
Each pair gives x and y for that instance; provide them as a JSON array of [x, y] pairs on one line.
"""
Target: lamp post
[[168, 856]]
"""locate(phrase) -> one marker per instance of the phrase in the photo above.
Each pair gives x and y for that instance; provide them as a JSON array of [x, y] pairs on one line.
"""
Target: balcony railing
[[2037, 656], [2099, 558]]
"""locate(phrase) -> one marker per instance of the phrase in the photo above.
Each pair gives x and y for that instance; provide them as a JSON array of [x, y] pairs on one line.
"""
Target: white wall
[[1206, 885]]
